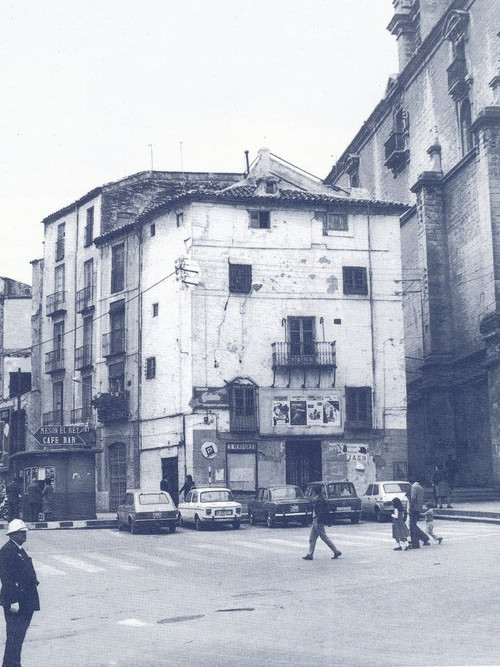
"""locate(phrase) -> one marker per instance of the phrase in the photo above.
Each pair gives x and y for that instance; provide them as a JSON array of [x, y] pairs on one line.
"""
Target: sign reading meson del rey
[[60, 436]]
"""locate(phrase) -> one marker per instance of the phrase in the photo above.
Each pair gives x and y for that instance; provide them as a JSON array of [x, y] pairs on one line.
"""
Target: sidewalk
[[479, 512]]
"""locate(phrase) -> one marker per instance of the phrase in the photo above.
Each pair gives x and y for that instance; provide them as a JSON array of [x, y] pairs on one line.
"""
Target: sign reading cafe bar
[[306, 410]]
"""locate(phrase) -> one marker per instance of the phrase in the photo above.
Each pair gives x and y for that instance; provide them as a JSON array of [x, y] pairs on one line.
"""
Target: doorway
[[170, 469], [117, 467], [303, 461]]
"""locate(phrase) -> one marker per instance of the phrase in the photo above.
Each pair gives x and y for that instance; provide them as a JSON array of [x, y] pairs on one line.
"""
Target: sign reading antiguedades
[[60, 436]]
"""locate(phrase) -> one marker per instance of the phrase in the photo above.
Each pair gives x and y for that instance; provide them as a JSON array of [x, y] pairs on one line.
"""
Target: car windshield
[[286, 492], [393, 488], [215, 496], [153, 499], [340, 489]]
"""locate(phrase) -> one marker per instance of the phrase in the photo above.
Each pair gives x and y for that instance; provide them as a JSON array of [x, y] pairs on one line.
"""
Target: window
[[465, 117], [155, 309], [89, 227], [150, 368], [271, 188], [243, 407], [240, 278], [57, 402], [179, 218], [301, 337], [335, 222], [88, 276], [116, 376], [153, 229], [118, 267], [59, 279], [60, 241], [116, 342], [58, 332], [260, 219], [358, 403], [355, 281]]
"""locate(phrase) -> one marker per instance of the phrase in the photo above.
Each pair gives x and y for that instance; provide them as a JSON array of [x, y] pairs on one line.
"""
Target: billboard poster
[[306, 410], [298, 411], [281, 411], [314, 411], [331, 410]]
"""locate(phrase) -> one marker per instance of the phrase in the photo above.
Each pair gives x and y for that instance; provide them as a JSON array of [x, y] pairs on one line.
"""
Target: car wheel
[[172, 528], [197, 523], [236, 524], [132, 527], [378, 514], [355, 519], [180, 521], [269, 521], [251, 518]]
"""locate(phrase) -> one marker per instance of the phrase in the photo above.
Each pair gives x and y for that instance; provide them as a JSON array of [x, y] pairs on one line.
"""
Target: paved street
[[246, 598]]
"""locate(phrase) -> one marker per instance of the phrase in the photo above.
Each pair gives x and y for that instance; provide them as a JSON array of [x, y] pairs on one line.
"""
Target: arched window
[[465, 120]]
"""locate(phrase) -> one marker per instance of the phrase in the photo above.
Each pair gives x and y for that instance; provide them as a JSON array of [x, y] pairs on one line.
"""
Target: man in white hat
[[19, 595]]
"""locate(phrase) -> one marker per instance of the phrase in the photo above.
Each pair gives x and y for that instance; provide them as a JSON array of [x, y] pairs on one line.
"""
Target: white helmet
[[16, 526]]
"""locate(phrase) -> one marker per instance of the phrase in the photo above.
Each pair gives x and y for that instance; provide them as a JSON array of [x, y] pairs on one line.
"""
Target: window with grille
[[358, 405], [243, 408], [355, 280], [240, 278], [89, 227], [150, 368], [118, 267], [260, 219]]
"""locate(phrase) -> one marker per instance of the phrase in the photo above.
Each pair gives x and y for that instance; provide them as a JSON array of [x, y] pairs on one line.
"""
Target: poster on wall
[[314, 411], [306, 410], [281, 411], [331, 410], [298, 412]]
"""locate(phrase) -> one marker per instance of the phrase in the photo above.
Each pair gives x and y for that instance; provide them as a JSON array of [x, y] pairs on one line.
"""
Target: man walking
[[416, 503], [34, 492], [12, 491], [321, 516], [19, 595]]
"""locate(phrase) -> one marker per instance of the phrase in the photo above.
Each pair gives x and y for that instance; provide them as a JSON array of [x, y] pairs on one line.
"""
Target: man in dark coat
[[19, 595], [321, 516], [416, 503], [34, 492], [12, 491]]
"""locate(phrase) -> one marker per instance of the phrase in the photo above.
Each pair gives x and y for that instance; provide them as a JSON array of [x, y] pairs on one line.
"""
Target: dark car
[[147, 510], [343, 501], [282, 504]]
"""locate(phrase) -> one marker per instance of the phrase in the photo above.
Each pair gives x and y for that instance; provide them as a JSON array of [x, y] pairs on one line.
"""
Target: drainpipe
[[372, 322], [75, 287], [139, 357]]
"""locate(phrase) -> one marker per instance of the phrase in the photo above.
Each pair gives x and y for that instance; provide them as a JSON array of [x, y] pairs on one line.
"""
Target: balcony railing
[[244, 422], [59, 250], [304, 355], [56, 303], [457, 74], [113, 342], [112, 407], [83, 357], [54, 361], [85, 299], [54, 418], [82, 415]]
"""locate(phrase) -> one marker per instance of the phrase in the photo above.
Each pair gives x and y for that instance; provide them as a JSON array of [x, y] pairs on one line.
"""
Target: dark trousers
[[12, 509], [416, 534], [17, 626], [35, 509]]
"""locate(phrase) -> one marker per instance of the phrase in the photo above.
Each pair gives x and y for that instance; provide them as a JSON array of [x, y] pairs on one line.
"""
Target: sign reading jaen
[[306, 410]]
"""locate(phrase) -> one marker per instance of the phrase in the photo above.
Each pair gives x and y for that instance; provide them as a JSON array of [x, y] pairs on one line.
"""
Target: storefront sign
[[60, 436], [306, 410], [241, 447]]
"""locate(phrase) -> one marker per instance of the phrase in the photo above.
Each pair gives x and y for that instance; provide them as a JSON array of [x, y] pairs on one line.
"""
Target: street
[[246, 597]]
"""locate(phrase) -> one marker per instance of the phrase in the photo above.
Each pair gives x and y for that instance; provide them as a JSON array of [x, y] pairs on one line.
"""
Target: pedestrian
[[164, 485], [19, 595], [416, 503], [443, 490], [399, 528], [48, 500], [321, 517], [188, 485], [429, 523], [435, 479], [13, 491], [34, 493], [451, 470]]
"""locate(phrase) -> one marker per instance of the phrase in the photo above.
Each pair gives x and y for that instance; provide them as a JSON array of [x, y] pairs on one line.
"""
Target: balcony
[[59, 249], [85, 299], [112, 407], [54, 361], [82, 415], [83, 357], [56, 304], [396, 151], [304, 355], [54, 418], [113, 343], [458, 86]]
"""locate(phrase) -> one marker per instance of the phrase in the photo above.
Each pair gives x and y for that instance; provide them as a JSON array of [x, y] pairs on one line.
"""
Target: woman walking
[[399, 528]]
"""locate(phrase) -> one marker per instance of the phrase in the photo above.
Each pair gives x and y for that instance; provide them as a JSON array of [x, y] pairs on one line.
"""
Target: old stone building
[[434, 143]]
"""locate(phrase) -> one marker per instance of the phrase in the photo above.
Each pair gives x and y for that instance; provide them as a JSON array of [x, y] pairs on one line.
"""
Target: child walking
[[399, 528], [429, 523]]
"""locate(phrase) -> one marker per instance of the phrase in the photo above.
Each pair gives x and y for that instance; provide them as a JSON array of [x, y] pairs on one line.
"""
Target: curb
[[69, 525], [492, 520]]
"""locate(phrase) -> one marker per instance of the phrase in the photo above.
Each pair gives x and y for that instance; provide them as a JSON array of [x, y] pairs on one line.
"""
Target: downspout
[[372, 318], [139, 358], [75, 287]]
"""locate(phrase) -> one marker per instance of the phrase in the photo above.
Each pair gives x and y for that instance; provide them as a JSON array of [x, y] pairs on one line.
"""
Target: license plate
[[156, 515], [343, 509], [294, 508], [223, 512]]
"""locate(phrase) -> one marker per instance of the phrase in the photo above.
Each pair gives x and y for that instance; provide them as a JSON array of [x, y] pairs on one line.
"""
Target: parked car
[[207, 506], [283, 504], [376, 502], [147, 510], [343, 501]]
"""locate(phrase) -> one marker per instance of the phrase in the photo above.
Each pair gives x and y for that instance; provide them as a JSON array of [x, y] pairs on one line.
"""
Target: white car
[[376, 502], [210, 505]]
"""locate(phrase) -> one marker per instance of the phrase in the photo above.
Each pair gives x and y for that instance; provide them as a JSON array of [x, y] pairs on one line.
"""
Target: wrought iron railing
[[112, 407], [83, 356], [54, 418], [56, 303], [113, 342], [303, 355], [54, 361], [85, 298], [82, 415]]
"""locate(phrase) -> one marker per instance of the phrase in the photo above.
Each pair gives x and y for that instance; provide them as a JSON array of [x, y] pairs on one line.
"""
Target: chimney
[[402, 25]]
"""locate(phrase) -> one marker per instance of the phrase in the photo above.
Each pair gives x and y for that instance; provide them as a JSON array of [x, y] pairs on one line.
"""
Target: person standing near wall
[[34, 493], [13, 491], [48, 500]]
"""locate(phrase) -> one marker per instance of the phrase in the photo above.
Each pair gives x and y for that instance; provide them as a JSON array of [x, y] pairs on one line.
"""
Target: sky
[[88, 85]]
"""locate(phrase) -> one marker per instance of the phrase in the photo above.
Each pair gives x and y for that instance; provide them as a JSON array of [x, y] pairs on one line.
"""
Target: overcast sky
[[87, 85]]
